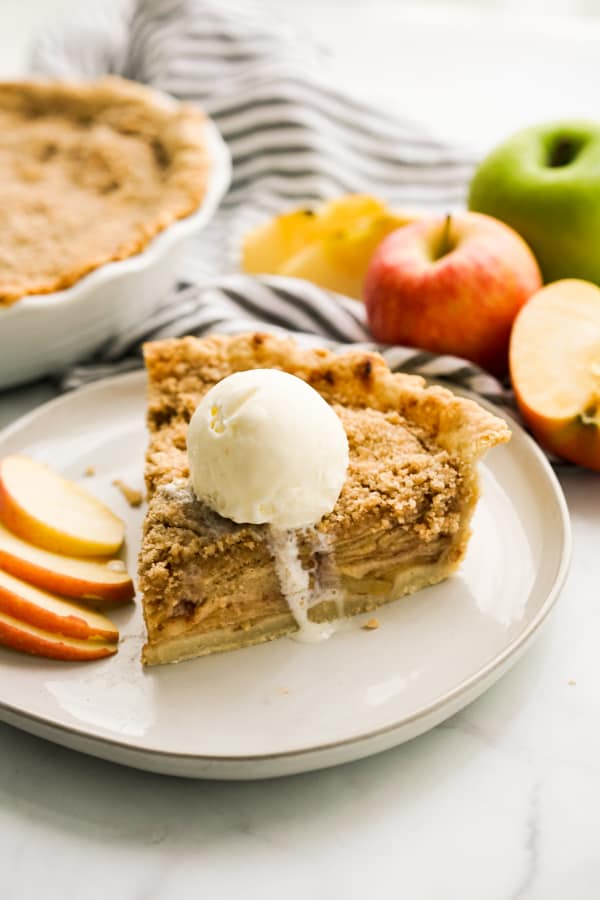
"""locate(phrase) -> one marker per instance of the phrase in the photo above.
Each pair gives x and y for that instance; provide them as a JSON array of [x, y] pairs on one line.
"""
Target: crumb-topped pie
[[90, 173], [400, 523]]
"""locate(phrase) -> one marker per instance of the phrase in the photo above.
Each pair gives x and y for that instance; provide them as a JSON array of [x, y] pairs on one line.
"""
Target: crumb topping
[[89, 173], [133, 496], [394, 473]]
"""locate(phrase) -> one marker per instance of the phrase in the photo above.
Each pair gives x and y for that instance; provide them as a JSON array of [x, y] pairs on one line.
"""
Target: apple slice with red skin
[[51, 512], [50, 612], [97, 582], [30, 639], [555, 369]]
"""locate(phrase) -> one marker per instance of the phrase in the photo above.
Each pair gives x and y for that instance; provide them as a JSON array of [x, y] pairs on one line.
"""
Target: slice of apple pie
[[401, 521]]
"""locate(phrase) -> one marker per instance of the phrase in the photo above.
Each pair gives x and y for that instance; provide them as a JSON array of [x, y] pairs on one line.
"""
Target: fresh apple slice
[[42, 609], [22, 636], [340, 212], [268, 246], [339, 261], [294, 240], [99, 582], [555, 369], [51, 512]]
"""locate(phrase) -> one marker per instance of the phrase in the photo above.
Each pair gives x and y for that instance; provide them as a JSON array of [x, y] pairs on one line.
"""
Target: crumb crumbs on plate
[[371, 625], [571, 681], [89, 471], [133, 497], [285, 690]]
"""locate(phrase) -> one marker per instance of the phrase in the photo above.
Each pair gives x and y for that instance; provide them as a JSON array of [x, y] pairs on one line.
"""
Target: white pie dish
[[42, 335]]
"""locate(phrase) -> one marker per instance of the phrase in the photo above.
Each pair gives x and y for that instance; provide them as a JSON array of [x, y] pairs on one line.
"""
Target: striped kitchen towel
[[295, 138]]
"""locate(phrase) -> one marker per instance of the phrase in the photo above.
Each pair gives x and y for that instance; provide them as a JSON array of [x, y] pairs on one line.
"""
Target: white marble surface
[[500, 803]]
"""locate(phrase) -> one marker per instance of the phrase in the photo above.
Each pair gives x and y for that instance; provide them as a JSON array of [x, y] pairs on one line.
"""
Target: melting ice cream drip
[[296, 588]]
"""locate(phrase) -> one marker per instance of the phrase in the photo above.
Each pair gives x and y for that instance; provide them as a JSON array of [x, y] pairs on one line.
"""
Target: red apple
[[451, 284]]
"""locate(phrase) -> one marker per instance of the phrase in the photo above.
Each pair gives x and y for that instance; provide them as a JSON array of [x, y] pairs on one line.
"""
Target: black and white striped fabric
[[295, 138]]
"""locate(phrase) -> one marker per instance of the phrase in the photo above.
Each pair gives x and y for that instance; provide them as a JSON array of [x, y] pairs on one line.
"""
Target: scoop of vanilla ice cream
[[264, 447]]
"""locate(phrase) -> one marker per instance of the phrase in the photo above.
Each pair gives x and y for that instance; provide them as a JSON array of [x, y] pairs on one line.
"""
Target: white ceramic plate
[[288, 707]]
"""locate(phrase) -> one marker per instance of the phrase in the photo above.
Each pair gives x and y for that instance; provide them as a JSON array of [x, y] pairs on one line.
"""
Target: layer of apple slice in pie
[[401, 521]]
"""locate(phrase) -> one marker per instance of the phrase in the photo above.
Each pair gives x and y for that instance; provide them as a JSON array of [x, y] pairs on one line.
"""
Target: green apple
[[545, 183]]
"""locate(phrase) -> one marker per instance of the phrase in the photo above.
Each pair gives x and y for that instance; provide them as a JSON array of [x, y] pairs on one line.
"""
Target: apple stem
[[446, 245]]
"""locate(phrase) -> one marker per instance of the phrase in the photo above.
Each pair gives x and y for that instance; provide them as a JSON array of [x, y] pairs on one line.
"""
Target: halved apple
[[29, 639], [555, 369], [101, 583], [42, 507], [50, 612]]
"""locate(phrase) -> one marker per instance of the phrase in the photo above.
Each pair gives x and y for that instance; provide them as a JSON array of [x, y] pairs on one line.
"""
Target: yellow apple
[[555, 369], [53, 513], [339, 260], [349, 209], [265, 248], [330, 245]]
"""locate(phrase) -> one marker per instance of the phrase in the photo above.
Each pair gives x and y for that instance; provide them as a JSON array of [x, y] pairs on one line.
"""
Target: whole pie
[[401, 521], [90, 173]]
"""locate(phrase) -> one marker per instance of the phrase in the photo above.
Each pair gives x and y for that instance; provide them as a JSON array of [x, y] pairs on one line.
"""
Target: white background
[[472, 70]]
